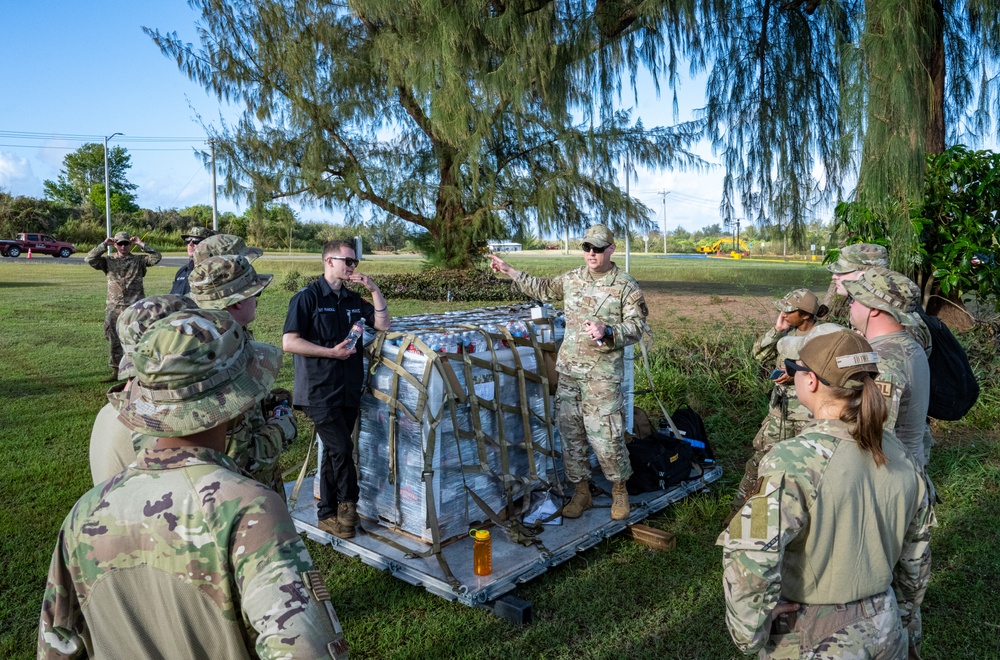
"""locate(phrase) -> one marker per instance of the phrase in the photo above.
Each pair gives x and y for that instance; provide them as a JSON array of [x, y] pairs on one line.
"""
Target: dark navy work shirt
[[318, 314], [182, 286]]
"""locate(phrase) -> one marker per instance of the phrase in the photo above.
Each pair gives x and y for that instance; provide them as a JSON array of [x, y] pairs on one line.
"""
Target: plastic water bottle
[[482, 552], [357, 330]]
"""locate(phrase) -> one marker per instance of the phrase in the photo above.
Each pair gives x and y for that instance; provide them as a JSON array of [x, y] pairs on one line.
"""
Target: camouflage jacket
[[786, 544], [905, 380], [124, 273], [230, 573], [785, 405], [255, 444], [613, 298]]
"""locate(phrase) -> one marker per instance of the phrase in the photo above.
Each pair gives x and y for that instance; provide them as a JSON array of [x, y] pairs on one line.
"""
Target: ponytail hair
[[866, 412], [822, 311]]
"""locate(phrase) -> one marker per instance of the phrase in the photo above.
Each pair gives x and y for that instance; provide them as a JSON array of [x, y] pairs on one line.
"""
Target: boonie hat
[[198, 232], [220, 244], [122, 237], [598, 236], [887, 290], [219, 282], [858, 256], [136, 319], [839, 358], [196, 370], [800, 299]]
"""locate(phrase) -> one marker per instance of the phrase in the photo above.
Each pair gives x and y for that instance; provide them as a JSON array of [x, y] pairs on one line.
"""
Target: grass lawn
[[617, 600]]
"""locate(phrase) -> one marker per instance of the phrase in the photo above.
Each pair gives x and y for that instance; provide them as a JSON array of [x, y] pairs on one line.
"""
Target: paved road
[[177, 262]]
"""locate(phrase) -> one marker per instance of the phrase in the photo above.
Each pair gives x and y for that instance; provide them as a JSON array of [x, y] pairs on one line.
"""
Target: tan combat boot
[[333, 526], [580, 501], [347, 514], [619, 501]]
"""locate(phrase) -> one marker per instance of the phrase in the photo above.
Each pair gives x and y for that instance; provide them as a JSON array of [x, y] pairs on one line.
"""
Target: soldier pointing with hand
[[605, 312]]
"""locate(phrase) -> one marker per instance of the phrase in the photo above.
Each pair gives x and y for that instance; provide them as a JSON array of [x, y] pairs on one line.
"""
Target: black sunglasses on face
[[850, 299], [124, 244], [791, 367], [587, 247], [192, 241], [349, 261]]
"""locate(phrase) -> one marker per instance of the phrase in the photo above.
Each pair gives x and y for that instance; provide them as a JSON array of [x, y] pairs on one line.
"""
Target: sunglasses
[[587, 247], [123, 244], [850, 299], [192, 241], [351, 262], [791, 367]]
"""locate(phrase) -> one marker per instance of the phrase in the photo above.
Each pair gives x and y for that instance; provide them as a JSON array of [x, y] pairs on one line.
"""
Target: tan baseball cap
[[839, 358], [598, 236], [790, 346]]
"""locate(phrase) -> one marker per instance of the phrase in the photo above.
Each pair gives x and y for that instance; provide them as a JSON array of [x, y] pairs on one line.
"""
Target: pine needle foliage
[[464, 118]]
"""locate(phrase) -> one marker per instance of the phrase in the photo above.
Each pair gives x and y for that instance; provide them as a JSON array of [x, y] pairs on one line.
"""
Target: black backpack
[[954, 388], [690, 423], [658, 462]]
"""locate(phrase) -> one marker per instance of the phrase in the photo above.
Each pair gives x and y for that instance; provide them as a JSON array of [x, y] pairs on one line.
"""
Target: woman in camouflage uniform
[[829, 556]]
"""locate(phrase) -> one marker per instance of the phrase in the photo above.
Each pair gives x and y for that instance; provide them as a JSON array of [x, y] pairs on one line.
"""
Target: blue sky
[[85, 69]]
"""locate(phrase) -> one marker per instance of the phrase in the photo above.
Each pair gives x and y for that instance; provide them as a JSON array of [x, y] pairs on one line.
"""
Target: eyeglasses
[[850, 299], [587, 247], [791, 366], [350, 262], [190, 240]]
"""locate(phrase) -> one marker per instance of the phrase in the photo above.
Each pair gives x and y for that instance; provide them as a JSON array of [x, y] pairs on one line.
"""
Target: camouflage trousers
[[111, 334], [869, 628], [591, 414]]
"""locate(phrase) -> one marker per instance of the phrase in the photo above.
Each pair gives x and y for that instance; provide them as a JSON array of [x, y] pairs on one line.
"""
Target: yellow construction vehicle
[[717, 245]]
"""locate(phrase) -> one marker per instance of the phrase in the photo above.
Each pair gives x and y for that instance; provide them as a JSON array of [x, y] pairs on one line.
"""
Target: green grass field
[[617, 600]]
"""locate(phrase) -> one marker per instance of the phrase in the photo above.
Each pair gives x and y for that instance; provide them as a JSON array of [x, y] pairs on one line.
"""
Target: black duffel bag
[[659, 462]]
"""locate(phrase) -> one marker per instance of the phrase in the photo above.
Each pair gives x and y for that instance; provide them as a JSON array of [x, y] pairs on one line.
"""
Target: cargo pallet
[[513, 563]]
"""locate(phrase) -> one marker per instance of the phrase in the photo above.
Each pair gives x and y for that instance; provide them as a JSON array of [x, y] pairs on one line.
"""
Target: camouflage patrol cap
[[219, 282], [839, 358], [800, 299], [598, 236], [196, 370], [859, 256], [887, 290], [199, 232], [220, 244], [136, 319], [790, 346], [122, 236]]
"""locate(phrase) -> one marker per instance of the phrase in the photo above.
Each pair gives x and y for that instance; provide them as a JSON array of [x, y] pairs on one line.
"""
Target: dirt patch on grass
[[687, 306]]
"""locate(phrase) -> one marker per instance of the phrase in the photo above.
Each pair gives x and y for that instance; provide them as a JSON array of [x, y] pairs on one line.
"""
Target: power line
[[28, 135]]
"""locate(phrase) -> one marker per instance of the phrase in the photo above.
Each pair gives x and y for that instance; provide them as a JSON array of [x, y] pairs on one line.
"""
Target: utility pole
[[628, 245], [663, 194], [107, 185], [215, 201], [736, 246]]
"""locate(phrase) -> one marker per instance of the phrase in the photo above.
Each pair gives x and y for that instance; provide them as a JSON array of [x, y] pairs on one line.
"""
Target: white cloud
[[17, 177]]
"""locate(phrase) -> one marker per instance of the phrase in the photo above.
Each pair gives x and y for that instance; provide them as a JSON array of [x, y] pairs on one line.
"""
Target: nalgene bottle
[[357, 330], [482, 552]]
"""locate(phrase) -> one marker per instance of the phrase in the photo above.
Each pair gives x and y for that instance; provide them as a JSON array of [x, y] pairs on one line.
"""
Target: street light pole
[[107, 184]]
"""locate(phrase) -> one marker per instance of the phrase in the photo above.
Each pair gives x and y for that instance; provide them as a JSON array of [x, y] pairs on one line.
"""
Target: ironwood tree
[[465, 118]]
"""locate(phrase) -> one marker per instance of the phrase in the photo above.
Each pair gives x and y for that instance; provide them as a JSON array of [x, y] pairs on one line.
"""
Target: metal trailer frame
[[513, 564]]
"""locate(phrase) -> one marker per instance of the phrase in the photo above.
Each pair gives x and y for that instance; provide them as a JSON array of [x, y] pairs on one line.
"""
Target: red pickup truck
[[38, 244]]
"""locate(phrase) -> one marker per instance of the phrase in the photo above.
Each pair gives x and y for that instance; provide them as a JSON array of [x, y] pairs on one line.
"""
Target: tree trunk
[[935, 64]]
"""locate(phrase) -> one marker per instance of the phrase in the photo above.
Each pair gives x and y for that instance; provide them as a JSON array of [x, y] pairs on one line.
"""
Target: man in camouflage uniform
[[125, 272], [786, 415], [192, 238], [793, 586], [180, 554], [111, 443], [256, 439], [605, 312], [880, 299]]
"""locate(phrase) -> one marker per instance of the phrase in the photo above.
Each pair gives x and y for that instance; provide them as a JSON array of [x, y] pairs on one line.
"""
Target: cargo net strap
[[486, 367]]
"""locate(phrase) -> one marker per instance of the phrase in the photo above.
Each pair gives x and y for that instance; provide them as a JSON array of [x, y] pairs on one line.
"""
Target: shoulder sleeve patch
[[885, 388]]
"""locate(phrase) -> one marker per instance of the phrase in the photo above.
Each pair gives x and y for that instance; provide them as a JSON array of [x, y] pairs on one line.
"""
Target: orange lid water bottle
[[482, 552]]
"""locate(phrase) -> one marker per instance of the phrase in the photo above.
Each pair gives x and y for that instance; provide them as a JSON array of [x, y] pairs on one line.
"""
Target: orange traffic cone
[[29, 253]]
